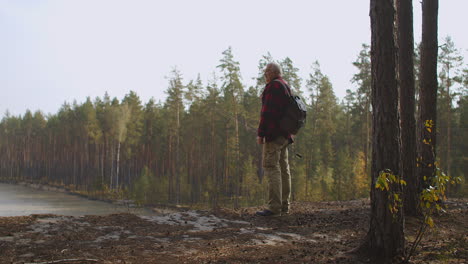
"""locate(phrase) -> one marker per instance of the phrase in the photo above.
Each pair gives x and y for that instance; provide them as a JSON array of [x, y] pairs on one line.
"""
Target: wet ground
[[323, 232]]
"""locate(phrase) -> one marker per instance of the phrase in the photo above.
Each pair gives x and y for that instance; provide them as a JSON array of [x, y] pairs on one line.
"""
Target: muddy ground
[[322, 232]]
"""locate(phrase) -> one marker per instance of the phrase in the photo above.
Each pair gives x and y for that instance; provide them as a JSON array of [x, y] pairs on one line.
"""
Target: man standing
[[275, 98]]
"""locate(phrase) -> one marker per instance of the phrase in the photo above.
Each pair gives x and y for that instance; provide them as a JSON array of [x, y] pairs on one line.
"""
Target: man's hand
[[260, 140]]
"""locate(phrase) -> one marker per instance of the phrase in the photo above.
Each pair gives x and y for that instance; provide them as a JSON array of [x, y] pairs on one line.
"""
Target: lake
[[18, 200]]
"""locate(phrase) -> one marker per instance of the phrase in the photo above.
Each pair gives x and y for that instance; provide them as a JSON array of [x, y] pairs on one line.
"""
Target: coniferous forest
[[198, 146]]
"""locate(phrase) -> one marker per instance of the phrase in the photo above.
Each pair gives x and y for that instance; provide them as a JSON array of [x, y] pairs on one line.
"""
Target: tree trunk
[[170, 164], [407, 104], [213, 165], [238, 176], [177, 162], [368, 139], [449, 126], [112, 166], [428, 91], [117, 167], [385, 238]]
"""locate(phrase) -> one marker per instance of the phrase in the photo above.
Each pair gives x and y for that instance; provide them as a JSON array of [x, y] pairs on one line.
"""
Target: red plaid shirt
[[274, 101]]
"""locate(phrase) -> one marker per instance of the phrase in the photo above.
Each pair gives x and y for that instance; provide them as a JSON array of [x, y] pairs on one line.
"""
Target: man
[[275, 141]]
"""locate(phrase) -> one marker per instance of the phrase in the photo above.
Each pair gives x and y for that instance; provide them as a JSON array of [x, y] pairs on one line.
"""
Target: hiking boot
[[266, 213]]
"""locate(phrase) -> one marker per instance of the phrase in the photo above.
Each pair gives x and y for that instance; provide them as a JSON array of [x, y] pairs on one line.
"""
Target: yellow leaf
[[430, 222]]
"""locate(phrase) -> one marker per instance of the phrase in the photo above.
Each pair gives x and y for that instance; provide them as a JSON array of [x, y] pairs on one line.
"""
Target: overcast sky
[[65, 50]]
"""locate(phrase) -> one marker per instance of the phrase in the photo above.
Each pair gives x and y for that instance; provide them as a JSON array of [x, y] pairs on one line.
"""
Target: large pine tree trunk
[[428, 90], [177, 160], [407, 104], [386, 236]]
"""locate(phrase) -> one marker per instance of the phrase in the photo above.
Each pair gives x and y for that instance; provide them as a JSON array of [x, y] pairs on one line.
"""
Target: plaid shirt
[[274, 101]]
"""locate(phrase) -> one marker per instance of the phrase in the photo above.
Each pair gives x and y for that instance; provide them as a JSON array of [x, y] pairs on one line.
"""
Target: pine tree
[[233, 91], [213, 107], [362, 122], [322, 122], [385, 238], [427, 120], [260, 79], [460, 152], [407, 104], [449, 76], [175, 110], [291, 76]]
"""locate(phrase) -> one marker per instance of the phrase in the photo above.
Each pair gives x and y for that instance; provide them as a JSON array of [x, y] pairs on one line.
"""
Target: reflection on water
[[18, 200]]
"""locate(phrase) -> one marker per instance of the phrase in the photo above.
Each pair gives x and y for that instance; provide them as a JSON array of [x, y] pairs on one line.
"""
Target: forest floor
[[322, 232]]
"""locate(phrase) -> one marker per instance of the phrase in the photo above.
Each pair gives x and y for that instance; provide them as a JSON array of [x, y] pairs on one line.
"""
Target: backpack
[[294, 116]]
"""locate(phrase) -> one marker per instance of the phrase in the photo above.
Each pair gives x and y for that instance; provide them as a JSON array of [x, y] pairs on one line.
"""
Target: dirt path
[[312, 233]]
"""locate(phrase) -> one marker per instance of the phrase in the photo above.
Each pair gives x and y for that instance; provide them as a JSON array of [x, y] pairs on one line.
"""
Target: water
[[17, 200]]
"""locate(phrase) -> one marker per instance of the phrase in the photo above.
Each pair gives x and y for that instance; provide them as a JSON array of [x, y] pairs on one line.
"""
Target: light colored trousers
[[276, 168]]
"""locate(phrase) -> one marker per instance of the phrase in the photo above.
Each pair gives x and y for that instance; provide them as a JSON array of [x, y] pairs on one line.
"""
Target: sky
[[56, 51]]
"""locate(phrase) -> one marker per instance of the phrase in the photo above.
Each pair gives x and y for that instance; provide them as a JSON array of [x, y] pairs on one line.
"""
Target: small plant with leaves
[[431, 199], [384, 182], [432, 194]]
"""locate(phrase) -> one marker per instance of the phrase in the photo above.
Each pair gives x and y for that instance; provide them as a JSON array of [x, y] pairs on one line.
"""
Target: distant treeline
[[198, 147]]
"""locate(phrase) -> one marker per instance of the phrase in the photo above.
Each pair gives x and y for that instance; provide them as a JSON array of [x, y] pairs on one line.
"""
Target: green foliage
[[290, 75], [343, 176], [432, 195], [253, 190], [142, 187], [299, 183]]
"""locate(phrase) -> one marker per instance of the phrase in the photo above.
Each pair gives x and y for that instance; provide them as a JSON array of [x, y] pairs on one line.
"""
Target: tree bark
[[385, 238], [428, 91], [407, 104]]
